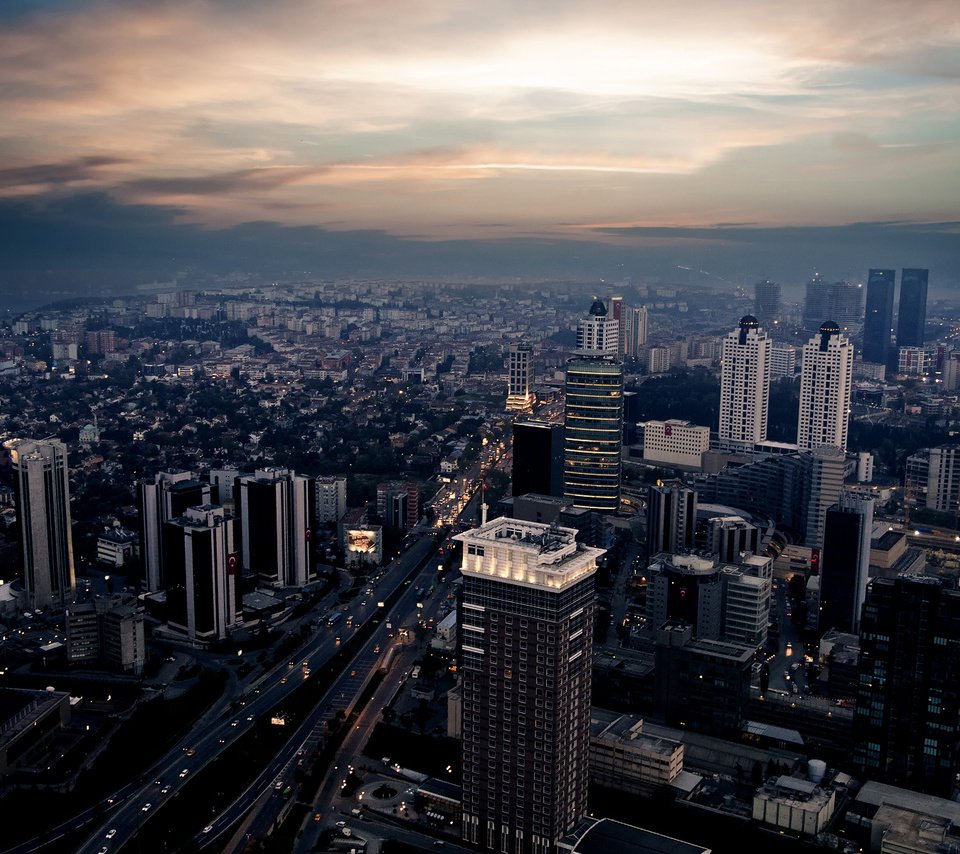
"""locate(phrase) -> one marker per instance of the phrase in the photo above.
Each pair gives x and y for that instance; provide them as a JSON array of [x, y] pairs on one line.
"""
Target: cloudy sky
[[758, 136]]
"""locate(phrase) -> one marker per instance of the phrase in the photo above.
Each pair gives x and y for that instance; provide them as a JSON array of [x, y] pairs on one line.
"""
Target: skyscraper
[[745, 383], [878, 320], [331, 498], [816, 304], [537, 458], [593, 433], [906, 725], [593, 415], [42, 491], [671, 518], [845, 563], [526, 645], [618, 312], [597, 333], [201, 573], [520, 378], [637, 328], [826, 381], [165, 497], [766, 301], [841, 301], [912, 314], [275, 524]]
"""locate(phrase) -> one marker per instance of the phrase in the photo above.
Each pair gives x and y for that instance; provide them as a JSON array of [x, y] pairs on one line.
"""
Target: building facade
[[878, 316], [766, 301], [526, 647], [745, 384], [675, 443], [845, 563], [520, 397], [42, 493], [826, 382], [331, 500], [671, 518], [912, 311], [537, 458], [274, 517], [637, 323]]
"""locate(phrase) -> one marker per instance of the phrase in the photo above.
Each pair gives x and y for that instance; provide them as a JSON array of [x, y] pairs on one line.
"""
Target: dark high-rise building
[[845, 563], [201, 572], [525, 626], [906, 727], [766, 302], [274, 514], [878, 320], [912, 314], [537, 458], [42, 492], [165, 497], [671, 518], [816, 304]]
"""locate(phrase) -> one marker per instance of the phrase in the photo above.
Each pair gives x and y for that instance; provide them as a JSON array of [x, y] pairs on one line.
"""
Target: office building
[[331, 499], [526, 647], [398, 505], [537, 458], [275, 526], [520, 397], [878, 318], [659, 360], [745, 384], [671, 518], [826, 381], [42, 493], [200, 567], [816, 304], [943, 479], [675, 443], [165, 497], [912, 312], [916, 361], [840, 301], [766, 301], [783, 361], [845, 563], [729, 537], [637, 330], [593, 416], [906, 725], [618, 313]]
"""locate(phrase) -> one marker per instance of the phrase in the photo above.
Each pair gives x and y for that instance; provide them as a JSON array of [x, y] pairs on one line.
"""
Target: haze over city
[[694, 142]]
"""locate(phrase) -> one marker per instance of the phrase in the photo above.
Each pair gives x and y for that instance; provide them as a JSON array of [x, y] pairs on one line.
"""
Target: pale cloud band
[[428, 117]]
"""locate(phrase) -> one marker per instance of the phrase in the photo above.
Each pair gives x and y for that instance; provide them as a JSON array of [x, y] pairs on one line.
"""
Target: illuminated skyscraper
[[745, 383], [826, 380], [42, 490], [525, 627], [520, 378]]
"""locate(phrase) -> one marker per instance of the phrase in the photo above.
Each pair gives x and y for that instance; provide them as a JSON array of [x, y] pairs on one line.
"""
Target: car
[[278, 785], [291, 664], [189, 750], [170, 659], [111, 833], [337, 642], [249, 717], [158, 782], [208, 828], [376, 649], [146, 808], [317, 816], [184, 773], [235, 723], [104, 850], [341, 824], [165, 790], [283, 680]]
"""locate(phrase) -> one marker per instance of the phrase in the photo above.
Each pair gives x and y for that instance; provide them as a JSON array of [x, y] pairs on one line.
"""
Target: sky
[[702, 138]]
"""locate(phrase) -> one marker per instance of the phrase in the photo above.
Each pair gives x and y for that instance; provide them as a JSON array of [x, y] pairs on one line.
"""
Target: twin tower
[[826, 380]]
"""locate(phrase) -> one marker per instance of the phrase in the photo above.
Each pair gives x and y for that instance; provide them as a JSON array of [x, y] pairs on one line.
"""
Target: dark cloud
[[92, 245], [65, 172], [263, 178]]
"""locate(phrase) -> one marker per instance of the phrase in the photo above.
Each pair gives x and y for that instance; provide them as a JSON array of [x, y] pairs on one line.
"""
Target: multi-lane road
[[130, 811]]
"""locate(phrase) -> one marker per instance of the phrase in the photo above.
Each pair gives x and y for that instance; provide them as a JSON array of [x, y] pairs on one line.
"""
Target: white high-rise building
[[826, 380], [520, 378], [331, 498], [745, 383], [637, 329], [42, 491], [783, 361], [598, 334]]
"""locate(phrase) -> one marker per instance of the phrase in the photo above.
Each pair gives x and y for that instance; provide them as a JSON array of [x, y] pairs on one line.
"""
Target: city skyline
[[704, 142]]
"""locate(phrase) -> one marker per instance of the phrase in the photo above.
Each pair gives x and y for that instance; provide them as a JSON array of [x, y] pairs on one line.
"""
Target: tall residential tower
[[526, 645], [745, 383], [826, 381]]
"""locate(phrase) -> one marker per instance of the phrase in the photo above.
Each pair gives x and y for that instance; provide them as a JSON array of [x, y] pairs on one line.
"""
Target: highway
[[138, 804]]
